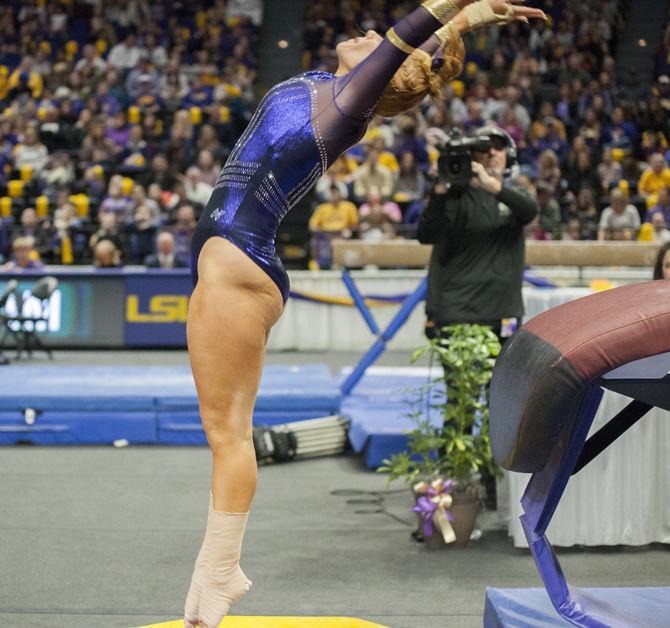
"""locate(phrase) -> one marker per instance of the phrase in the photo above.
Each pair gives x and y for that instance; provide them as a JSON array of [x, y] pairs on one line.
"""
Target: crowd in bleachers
[[593, 145], [115, 119], [116, 116]]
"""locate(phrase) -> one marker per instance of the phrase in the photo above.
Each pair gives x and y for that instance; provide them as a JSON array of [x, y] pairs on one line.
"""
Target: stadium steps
[[282, 20], [645, 19]]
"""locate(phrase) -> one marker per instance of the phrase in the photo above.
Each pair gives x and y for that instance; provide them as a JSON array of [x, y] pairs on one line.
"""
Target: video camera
[[454, 165]]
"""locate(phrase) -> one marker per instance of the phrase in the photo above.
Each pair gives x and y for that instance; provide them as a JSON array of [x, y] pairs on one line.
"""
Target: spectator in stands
[[141, 235], [197, 191], [96, 148], [108, 230], [159, 173], [183, 230], [620, 220], [139, 197], [24, 256], [583, 174], [655, 177], [587, 213], [662, 265], [609, 170], [106, 255], [126, 54], [25, 80], [549, 213], [41, 234], [209, 168], [409, 141], [165, 256], [662, 207], [339, 173], [337, 216], [410, 186], [376, 224], [375, 203], [372, 174], [573, 230], [91, 64], [116, 202], [549, 170], [142, 79], [31, 152], [660, 227], [118, 130], [208, 140]]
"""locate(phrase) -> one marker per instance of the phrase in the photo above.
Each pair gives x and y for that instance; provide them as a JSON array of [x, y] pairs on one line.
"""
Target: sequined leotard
[[300, 127]]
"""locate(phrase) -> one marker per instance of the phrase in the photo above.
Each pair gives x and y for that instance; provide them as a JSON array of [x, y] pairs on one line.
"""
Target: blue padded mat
[[78, 405], [531, 608], [379, 407]]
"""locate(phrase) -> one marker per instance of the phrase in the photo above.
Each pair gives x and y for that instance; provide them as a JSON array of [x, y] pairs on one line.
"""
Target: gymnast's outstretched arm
[[359, 90], [427, 27]]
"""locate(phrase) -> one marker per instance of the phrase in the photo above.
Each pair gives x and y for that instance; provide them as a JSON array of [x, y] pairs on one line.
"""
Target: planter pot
[[464, 510]]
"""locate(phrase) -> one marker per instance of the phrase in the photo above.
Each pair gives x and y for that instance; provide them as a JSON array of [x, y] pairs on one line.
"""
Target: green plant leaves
[[460, 447]]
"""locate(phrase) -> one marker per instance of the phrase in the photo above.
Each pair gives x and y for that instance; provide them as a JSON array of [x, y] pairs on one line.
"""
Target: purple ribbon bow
[[426, 506]]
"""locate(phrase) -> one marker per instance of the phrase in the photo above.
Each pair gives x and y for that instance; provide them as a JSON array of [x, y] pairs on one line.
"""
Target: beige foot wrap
[[217, 582]]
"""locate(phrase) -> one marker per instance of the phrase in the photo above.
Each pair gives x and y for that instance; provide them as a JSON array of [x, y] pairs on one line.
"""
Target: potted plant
[[446, 458]]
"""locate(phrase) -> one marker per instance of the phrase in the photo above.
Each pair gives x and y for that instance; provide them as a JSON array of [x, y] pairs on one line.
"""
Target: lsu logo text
[[163, 308]]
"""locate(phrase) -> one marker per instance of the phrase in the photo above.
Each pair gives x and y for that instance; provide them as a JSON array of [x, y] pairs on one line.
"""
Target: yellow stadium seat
[[224, 114], [646, 233], [15, 188], [101, 46], [134, 114], [458, 87], [26, 173], [66, 251], [6, 207], [196, 115], [81, 203], [618, 154], [42, 206], [127, 185]]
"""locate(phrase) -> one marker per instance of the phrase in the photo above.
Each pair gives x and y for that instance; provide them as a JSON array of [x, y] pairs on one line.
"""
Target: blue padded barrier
[[379, 409], [62, 427], [98, 405], [531, 608]]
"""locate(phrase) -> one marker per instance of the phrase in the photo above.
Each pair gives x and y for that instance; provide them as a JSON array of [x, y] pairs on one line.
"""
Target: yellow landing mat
[[281, 622]]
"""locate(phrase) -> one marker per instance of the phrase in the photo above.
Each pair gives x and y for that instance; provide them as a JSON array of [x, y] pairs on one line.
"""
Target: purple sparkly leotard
[[300, 127]]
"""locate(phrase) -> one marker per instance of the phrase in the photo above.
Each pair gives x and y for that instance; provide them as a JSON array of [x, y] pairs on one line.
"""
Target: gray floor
[[107, 537]]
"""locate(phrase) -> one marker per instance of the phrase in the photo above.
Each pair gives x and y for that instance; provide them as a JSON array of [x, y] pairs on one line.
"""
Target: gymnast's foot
[[218, 581]]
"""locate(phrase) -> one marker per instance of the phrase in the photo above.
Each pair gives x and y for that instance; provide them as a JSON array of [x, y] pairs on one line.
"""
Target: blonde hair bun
[[421, 75]]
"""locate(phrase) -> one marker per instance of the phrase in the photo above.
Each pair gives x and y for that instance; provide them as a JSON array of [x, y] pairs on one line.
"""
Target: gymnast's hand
[[499, 12]]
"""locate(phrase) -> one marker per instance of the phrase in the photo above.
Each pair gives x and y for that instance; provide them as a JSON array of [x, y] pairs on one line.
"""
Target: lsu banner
[[156, 308]]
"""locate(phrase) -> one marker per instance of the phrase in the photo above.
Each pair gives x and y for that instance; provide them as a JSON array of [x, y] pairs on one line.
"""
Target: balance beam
[[412, 254]]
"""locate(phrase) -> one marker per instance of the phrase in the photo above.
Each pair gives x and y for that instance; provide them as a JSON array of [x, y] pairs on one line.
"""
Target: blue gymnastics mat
[[96, 405], [531, 608], [379, 409]]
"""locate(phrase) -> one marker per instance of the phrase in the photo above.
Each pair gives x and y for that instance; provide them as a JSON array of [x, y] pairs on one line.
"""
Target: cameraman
[[477, 230]]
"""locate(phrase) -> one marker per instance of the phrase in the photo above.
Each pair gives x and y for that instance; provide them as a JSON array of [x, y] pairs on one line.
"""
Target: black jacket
[[476, 267]]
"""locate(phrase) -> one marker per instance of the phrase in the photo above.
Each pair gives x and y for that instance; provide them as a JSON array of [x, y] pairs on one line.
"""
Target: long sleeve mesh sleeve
[[360, 89]]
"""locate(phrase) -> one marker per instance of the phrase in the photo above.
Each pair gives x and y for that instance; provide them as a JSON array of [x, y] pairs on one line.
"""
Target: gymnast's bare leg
[[232, 309]]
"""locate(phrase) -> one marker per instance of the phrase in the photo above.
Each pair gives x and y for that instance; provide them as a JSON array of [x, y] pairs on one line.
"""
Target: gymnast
[[300, 127]]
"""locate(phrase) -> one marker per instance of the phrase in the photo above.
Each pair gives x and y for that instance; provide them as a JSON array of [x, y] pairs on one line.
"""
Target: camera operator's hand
[[483, 180]]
